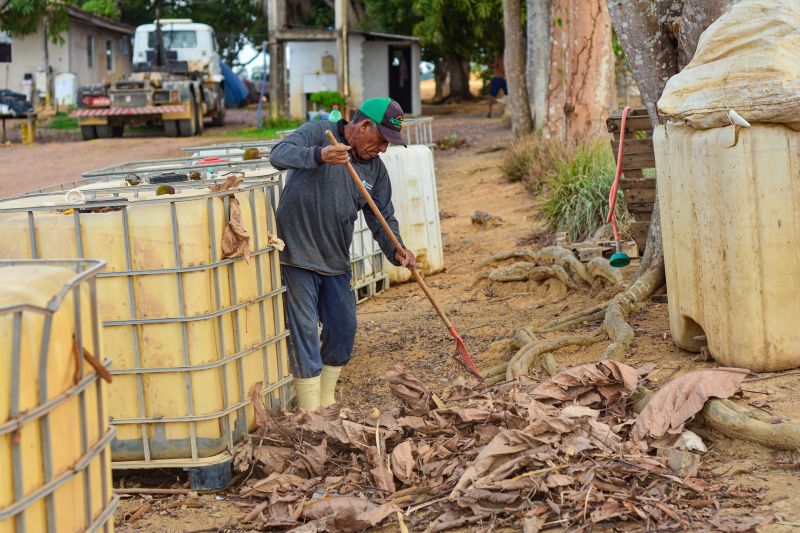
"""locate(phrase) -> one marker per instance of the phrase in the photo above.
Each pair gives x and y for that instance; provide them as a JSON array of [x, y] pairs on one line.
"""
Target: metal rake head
[[461, 355]]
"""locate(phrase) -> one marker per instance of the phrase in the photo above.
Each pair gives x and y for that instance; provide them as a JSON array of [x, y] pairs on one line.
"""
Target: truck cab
[[189, 41]]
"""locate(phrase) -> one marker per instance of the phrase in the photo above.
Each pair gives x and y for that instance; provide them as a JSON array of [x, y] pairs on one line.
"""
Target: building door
[[400, 76]]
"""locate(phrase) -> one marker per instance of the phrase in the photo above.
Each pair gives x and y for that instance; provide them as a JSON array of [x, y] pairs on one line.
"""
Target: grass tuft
[[577, 191], [62, 121], [531, 159], [269, 129]]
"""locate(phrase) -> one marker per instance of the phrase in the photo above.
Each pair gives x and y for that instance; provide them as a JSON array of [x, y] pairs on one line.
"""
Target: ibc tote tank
[[416, 205], [729, 215], [190, 334], [55, 461]]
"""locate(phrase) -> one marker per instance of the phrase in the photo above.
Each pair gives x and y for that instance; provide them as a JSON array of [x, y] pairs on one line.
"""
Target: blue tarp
[[235, 89]]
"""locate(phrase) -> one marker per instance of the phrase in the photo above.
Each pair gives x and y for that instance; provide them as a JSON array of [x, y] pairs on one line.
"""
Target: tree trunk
[[514, 60], [538, 73], [697, 16], [644, 29], [458, 68], [582, 86], [651, 52], [440, 80]]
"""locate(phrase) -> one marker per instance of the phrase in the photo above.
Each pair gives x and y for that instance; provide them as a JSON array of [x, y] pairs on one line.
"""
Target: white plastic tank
[[729, 215], [66, 89], [416, 207]]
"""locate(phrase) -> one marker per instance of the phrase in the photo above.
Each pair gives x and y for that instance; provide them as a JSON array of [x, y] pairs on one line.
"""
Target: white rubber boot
[[307, 392], [330, 375]]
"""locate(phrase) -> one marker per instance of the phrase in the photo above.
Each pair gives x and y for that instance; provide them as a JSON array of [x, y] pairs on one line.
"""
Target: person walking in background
[[497, 83]]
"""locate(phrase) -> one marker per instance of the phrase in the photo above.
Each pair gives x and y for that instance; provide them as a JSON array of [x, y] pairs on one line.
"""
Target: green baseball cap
[[388, 115]]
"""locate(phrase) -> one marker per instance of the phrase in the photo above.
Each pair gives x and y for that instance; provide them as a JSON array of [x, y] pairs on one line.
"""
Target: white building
[[95, 49], [379, 65]]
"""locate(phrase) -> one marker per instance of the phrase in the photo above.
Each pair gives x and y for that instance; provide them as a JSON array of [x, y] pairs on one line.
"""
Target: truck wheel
[[219, 118], [103, 132], [171, 128], [88, 133], [117, 131], [185, 128], [198, 118]]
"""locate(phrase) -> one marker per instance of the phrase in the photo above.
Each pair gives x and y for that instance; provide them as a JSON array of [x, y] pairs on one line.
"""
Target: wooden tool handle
[[427, 291]]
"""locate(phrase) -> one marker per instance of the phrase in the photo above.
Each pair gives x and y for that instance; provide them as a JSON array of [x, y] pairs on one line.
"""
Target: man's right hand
[[335, 155]]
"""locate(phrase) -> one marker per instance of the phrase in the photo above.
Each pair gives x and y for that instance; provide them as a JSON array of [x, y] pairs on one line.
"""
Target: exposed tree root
[[523, 336], [737, 422], [524, 271], [622, 305], [574, 318], [599, 267], [524, 358], [551, 255]]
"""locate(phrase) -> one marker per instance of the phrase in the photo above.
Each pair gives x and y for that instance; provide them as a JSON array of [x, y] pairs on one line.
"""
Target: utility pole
[[341, 13], [276, 15]]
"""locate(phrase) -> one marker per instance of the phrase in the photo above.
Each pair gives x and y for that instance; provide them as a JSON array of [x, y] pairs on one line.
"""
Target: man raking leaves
[[315, 219]]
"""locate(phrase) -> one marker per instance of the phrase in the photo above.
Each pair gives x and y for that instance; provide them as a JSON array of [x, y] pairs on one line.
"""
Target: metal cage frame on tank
[[211, 470], [236, 149], [57, 475]]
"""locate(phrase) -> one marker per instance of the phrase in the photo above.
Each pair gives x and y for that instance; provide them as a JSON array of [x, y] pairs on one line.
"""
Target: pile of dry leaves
[[522, 454]]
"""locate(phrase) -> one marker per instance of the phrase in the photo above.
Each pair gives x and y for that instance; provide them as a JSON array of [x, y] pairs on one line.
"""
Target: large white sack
[[749, 61]]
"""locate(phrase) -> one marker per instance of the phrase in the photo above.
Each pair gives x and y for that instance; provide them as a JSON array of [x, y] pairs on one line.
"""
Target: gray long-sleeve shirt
[[320, 202]]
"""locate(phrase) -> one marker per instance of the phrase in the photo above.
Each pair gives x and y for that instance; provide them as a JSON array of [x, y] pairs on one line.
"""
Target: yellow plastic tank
[[190, 334], [55, 457], [729, 212]]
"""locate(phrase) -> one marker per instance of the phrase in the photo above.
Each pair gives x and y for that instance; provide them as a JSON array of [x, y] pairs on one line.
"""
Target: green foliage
[[577, 195], [62, 121], [19, 18], [107, 8], [389, 16], [270, 128], [327, 99]]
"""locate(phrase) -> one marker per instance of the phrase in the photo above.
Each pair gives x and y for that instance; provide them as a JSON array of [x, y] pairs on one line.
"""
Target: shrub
[[577, 195], [531, 159], [327, 99]]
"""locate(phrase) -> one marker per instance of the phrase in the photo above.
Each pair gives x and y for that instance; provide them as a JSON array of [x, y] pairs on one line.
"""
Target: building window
[[123, 46], [109, 55], [5, 48], [90, 51]]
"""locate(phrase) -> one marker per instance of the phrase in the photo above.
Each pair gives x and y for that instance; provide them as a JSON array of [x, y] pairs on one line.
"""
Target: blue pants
[[311, 299], [496, 85]]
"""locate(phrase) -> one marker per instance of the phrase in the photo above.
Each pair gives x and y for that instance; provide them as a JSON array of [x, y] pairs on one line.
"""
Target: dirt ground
[[400, 327]]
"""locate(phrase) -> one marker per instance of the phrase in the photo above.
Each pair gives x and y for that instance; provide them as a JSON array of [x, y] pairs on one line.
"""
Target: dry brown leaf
[[276, 481], [610, 509], [262, 417], [273, 458], [384, 480], [730, 524], [314, 458], [603, 382], [682, 398], [482, 501], [348, 513], [403, 462], [411, 391], [532, 524]]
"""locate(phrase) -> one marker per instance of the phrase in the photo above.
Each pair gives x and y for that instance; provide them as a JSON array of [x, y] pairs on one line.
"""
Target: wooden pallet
[[637, 155]]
